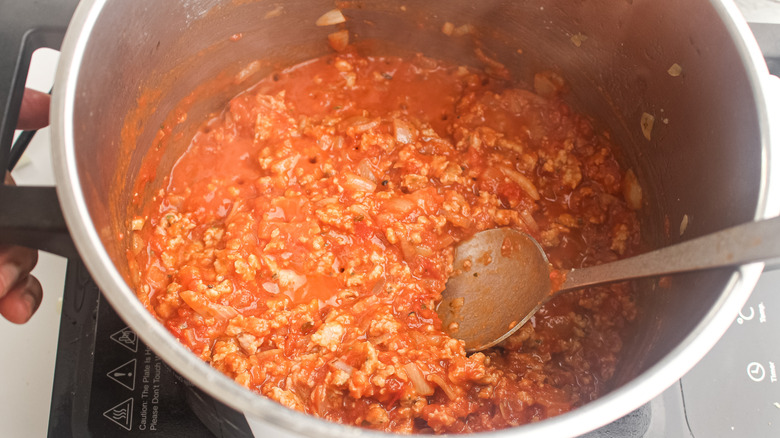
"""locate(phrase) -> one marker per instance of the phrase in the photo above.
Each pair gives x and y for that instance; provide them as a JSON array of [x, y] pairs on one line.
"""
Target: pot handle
[[29, 216]]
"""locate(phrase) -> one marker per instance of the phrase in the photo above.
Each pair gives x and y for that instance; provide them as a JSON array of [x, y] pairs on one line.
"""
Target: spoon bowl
[[502, 276]]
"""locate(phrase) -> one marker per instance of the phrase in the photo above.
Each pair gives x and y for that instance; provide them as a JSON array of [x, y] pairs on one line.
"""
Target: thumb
[[34, 113]]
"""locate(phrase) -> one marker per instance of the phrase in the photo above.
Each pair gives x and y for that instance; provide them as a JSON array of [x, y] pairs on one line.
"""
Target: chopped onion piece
[[403, 132], [446, 241], [339, 40], [378, 242], [343, 366], [357, 183], [364, 170], [418, 380], [275, 12], [408, 250], [137, 243], [675, 70], [252, 68], [381, 339], [423, 250], [496, 67], [632, 191], [334, 16], [445, 386], [325, 201], [547, 84], [359, 124], [578, 39], [271, 287], [646, 122], [522, 181], [684, 224], [463, 30], [138, 223], [529, 221], [398, 205], [458, 219], [206, 308]]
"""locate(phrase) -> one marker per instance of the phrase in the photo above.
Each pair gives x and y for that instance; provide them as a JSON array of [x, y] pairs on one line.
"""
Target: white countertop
[[27, 362], [760, 11]]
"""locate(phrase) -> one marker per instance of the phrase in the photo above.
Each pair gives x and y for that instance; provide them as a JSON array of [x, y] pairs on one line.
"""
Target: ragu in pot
[[301, 243]]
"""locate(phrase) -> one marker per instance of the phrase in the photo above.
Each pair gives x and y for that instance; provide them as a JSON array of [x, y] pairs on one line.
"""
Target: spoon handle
[[746, 243]]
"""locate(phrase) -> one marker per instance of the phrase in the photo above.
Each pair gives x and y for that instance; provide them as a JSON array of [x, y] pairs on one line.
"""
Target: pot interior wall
[[702, 160]]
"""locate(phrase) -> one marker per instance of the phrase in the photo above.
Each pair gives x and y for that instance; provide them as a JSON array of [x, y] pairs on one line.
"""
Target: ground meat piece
[[329, 335]]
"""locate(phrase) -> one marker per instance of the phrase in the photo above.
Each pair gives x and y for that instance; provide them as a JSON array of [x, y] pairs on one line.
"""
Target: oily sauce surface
[[301, 243]]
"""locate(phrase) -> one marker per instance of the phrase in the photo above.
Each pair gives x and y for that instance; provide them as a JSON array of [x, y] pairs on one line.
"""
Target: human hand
[[34, 113], [20, 292]]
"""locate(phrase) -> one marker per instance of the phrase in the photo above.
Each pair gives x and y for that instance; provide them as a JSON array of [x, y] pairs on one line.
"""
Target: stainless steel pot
[[708, 162]]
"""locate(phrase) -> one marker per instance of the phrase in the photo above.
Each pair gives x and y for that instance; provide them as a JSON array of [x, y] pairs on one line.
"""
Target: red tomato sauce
[[301, 243]]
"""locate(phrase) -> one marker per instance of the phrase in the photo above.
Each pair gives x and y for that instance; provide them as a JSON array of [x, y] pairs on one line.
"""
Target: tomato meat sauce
[[301, 244]]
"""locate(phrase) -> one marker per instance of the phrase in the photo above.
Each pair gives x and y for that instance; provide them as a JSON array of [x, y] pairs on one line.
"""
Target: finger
[[34, 113], [21, 302], [16, 262]]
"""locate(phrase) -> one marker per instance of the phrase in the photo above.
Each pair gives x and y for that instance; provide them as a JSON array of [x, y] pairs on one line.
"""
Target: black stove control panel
[[734, 390]]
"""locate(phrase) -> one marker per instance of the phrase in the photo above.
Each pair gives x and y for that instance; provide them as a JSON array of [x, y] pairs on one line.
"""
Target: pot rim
[[614, 405]]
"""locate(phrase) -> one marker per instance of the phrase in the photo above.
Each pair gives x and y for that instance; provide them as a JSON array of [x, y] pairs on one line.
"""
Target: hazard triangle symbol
[[122, 414], [124, 374], [126, 338]]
